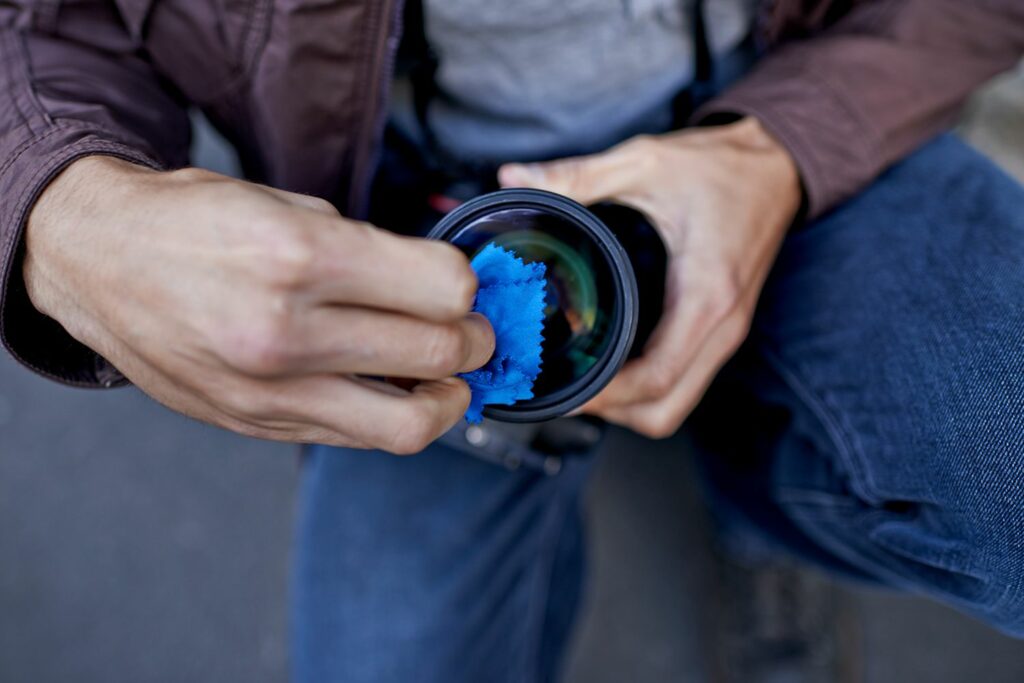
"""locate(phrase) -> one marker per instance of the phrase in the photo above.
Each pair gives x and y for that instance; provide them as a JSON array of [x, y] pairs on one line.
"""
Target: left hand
[[722, 199]]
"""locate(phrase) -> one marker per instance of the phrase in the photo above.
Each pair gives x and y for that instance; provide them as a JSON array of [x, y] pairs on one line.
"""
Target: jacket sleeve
[[867, 91], [73, 83]]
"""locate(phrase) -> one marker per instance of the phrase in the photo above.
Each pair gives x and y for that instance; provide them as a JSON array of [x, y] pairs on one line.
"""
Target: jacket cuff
[[36, 340], [834, 152]]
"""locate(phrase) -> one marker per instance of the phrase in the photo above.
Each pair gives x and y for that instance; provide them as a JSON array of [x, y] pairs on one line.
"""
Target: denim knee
[[948, 523], [894, 325]]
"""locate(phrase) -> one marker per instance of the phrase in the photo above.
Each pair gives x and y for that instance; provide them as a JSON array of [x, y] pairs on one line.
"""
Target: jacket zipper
[[367, 154]]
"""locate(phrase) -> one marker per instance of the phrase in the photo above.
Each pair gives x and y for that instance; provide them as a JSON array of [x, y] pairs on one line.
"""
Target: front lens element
[[580, 303]]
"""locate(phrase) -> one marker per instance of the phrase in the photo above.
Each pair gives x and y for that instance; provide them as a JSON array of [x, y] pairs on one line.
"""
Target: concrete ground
[[137, 545]]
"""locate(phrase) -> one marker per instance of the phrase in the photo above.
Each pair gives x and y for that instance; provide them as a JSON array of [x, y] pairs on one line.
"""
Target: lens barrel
[[605, 272]]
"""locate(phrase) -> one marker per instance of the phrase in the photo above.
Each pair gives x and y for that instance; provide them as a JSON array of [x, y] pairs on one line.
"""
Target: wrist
[[751, 166], [771, 170], [65, 230]]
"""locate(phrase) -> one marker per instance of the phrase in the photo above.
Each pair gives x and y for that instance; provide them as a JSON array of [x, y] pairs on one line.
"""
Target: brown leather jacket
[[300, 87]]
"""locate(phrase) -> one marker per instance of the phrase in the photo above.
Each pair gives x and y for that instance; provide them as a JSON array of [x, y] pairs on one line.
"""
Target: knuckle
[[412, 434], [247, 406], [465, 288], [192, 174], [644, 149], [658, 424], [287, 251], [463, 283], [291, 260], [249, 429], [460, 280], [571, 173], [245, 429], [445, 349], [660, 384], [641, 144], [722, 299], [271, 428], [739, 335], [329, 438], [321, 205], [263, 347]]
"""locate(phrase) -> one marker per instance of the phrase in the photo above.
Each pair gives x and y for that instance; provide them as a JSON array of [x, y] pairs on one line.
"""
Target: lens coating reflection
[[580, 299]]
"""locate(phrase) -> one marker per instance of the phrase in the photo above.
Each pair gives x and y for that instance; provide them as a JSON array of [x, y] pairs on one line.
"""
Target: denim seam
[[995, 596], [813, 504], [827, 416], [798, 496], [545, 577]]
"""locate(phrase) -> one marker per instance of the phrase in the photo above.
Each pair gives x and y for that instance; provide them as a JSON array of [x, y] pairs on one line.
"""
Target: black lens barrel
[[636, 261]]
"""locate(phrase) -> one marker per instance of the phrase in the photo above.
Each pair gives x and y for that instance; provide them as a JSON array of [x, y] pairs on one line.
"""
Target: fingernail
[[482, 340]]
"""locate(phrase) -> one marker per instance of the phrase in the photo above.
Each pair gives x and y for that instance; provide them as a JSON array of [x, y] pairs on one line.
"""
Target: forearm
[[68, 222], [66, 99], [256, 309]]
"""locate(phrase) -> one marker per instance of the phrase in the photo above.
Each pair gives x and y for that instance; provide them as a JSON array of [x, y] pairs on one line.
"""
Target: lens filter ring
[[540, 211]]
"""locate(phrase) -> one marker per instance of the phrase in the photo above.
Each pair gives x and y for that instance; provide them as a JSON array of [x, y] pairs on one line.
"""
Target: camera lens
[[591, 300], [580, 297]]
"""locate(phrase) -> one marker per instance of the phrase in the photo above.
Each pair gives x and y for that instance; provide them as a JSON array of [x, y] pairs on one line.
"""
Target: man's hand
[[722, 199], [256, 309]]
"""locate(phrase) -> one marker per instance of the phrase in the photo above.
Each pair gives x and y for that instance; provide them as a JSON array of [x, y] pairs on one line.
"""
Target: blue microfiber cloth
[[511, 297]]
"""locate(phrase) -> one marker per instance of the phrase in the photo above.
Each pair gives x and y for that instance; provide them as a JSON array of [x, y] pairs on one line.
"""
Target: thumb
[[586, 179]]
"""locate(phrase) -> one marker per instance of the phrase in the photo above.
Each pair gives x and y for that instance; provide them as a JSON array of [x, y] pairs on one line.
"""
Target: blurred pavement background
[[137, 545]]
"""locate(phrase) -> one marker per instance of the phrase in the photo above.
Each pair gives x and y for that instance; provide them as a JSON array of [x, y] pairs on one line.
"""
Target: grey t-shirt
[[533, 79]]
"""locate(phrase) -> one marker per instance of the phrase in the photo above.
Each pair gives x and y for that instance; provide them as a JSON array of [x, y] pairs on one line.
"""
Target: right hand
[[256, 309]]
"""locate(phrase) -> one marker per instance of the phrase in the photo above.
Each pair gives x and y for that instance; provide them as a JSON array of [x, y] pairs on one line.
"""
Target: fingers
[[334, 260], [364, 341], [325, 409], [662, 416], [355, 263], [655, 373], [586, 179], [689, 318], [375, 414], [306, 201]]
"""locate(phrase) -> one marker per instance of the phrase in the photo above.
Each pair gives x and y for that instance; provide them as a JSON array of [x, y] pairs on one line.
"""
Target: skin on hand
[[256, 309], [722, 199]]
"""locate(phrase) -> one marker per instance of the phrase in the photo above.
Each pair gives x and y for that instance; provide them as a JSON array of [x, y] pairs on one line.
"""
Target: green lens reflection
[[580, 296]]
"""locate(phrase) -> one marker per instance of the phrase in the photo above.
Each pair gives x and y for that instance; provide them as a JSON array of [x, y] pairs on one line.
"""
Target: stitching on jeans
[[827, 415], [556, 515], [994, 596], [799, 496]]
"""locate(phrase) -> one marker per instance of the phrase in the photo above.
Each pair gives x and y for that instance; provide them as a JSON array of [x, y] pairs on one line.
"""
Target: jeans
[[873, 423]]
